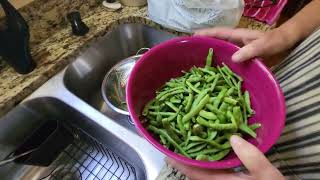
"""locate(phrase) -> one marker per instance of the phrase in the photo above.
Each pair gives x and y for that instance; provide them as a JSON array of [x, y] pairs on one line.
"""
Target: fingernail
[[236, 57], [235, 140]]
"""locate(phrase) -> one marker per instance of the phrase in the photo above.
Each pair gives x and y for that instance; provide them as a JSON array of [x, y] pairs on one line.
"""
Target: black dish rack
[[87, 159]]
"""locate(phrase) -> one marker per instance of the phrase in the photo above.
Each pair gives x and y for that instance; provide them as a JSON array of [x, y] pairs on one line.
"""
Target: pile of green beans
[[195, 114]]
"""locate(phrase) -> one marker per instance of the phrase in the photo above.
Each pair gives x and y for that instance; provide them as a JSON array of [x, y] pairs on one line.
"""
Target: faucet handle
[[79, 28]]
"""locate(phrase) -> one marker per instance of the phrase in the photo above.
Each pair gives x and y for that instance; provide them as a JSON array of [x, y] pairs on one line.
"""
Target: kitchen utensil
[[114, 83], [44, 145], [170, 58], [11, 159]]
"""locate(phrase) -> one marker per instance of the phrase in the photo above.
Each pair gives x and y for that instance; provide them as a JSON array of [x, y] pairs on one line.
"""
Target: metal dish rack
[[87, 159]]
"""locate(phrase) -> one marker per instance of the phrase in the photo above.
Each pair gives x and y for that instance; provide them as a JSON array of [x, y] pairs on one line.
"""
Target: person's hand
[[257, 164], [255, 43]]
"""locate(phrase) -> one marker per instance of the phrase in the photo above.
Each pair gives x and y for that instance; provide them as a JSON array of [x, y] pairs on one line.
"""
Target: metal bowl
[[114, 83]]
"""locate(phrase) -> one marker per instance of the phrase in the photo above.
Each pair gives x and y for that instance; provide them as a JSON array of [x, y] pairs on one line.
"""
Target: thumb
[[254, 160]]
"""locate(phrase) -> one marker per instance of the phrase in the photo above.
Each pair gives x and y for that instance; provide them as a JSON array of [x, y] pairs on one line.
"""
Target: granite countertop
[[53, 46]]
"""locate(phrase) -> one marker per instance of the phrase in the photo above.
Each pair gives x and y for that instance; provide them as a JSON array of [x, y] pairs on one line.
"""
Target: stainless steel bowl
[[114, 83]]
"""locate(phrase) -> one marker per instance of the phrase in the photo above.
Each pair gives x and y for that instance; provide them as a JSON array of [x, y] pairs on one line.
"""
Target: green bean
[[170, 94], [188, 137], [187, 125], [155, 123], [196, 114], [184, 102], [213, 69], [181, 127], [247, 130], [170, 140], [197, 71], [212, 99], [207, 71], [230, 91], [233, 120], [170, 131], [153, 107], [213, 109], [175, 100], [221, 87], [170, 118], [168, 91], [149, 117], [158, 116], [224, 77], [177, 131], [172, 106], [232, 73], [198, 98], [224, 107], [211, 134], [205, 152], [194, 79], [147, 106], [237, 114], [224, 137], [222, 119], [219, 98], [202, 157], [226, 145], [255, 126], [210, 78], [197, 85], [197, 129], [211, 142], [209, 58], [189, 102], [220, 155], [213, 85], [230, 100], [247, 102], [193, 88], [196, 110], [197, 148], [163, 140], [242, 103], [207, 115], [218, 127], [191, 145], [234, 82], [162, 113], [181, 96]]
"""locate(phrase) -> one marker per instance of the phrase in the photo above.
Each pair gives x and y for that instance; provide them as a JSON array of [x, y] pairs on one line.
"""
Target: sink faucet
[[14, 40]]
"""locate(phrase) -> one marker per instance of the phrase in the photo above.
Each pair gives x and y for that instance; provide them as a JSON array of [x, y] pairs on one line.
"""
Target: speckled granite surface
[[53, 46]]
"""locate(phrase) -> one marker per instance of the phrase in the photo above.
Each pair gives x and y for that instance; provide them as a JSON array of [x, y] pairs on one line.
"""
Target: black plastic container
[[49, 140]]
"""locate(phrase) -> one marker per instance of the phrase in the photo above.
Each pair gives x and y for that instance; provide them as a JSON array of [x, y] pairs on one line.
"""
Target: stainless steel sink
[[84, 76], [105, 145], [94, 153]]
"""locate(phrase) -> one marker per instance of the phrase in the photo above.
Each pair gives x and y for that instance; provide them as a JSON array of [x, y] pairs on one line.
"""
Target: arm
[[257, 43], [303, 23]]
